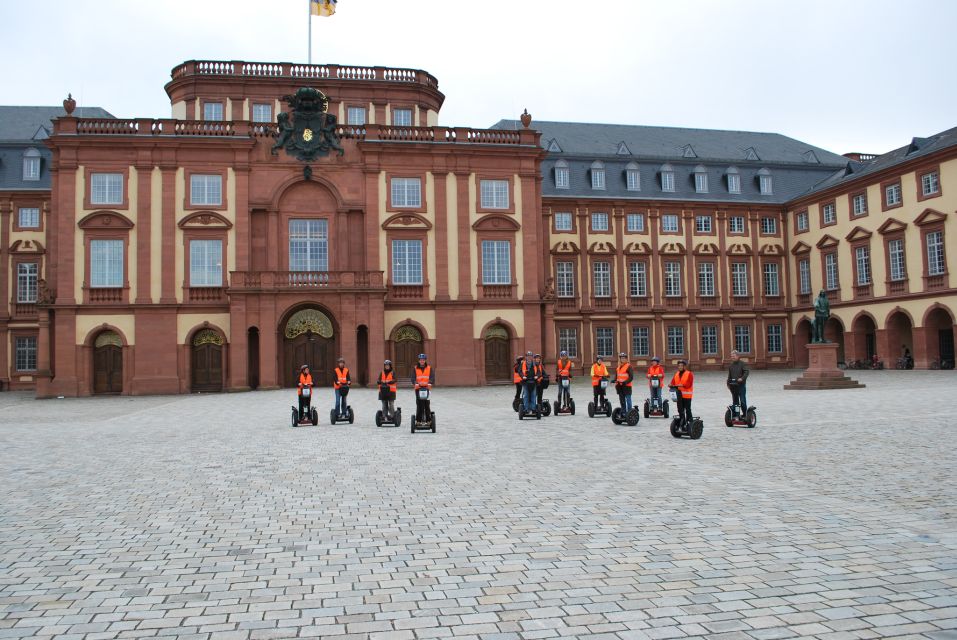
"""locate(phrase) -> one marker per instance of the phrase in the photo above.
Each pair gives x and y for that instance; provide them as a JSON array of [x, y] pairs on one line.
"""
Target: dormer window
[[31, 165], [734, 180], [632, 177], [667, 178], [561, 175], [764, 181], [700, 179], [597, 175]]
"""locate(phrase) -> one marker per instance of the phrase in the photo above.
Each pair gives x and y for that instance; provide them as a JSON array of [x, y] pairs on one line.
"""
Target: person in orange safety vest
[[517, 379], [683, 381], [563, 371], [387, 389], [341, 381], [623, 377], [599, 372], [305, 382], [655, 373], [423, 377]]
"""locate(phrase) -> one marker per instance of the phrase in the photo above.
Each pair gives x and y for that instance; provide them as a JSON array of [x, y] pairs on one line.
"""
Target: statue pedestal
[[822, 371]]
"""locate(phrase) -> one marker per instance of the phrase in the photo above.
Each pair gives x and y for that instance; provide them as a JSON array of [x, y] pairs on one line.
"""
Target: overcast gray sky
[[854, 75]]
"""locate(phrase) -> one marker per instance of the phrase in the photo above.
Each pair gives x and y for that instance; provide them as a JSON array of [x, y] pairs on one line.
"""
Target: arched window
[[764, 181], [31, 165], [700, 179], [734, 180], [561, 175], [632, 177], [667, 177], [597, 175]]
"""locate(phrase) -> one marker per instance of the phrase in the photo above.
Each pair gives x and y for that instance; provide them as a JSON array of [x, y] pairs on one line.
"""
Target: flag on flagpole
[[322, 7]]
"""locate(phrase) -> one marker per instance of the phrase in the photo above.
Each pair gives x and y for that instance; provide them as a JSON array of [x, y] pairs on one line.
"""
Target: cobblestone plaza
[[207, 516]]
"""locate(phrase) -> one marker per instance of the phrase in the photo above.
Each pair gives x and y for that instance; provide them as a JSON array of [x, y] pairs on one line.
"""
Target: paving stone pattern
[[210, 517]]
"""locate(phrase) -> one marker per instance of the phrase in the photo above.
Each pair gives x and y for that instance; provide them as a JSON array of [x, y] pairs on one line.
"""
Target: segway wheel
[[633, 417], [752, 418], [314, 417], [728, 418], [378, 418], [616, 416], [352, 416], [571, 406], [556, 407], [664, 408], [295, 417], [332, 416], [412, 423], [432, 416], [516, 404], [591, 409], [606, 405], [697, 428], [676, 427], [547, 409], [645, 409], [397, 419]]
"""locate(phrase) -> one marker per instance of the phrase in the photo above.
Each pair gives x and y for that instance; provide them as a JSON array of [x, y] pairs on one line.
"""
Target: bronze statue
[[822, 311], [285, 131], [312, 131]]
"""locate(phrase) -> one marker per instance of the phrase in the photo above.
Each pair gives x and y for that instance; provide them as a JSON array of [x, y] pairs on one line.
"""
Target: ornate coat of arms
[[312, 132]]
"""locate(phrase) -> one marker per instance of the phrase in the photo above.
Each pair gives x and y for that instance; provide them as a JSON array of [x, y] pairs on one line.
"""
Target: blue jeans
[[340, 402], [530, 397], [625, 398]]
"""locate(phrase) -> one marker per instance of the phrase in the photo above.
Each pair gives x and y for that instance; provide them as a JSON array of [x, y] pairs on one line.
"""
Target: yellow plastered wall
[[416, 118], [228, 110], [430, 215], [87, 324], [186, 322], [197, 110], [431, 118], [370, 109], [179, 110], [156, 233], [383, 215], [397, 317], [473, 239], [519, 245], [246, 108], [482, 317], [179, 254], [452, 235]]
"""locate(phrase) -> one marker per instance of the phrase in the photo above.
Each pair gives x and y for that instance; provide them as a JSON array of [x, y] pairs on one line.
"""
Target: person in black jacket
[[737, 382]]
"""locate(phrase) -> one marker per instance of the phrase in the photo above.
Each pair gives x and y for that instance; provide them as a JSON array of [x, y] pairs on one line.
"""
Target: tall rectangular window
[[702, 224], [862, 260], [635, 222], [802, 221], [106, 263], [709, 339], [766, 185], [262, 112], [213, 111], [106, 188], [568, 341], [407, 262], [356, 116], [804, 276], [205, 263], [676, 341], [892, 194], [772, 286], [402, 117], [25, 353], [597, 178], [406, 192], [739, 279], [669, 223], [206, 190], [742, 338], [602, 280], [859, 204], [828, 213], [496, 262], [831, 281], [734, 183], [775, 341], [561, 177], [637, 279], [563, 221], [27, 274], [736, 224], [667, 181], [673, 279], [31, 167], [308, 245], [604, 342], [706, 279], [930, 183], [769, 226], [895, 249], [936, 263], [565, 279], [28, 218], [701, 182], [599, 221], [494, 194], [639, 341], [633, 180]]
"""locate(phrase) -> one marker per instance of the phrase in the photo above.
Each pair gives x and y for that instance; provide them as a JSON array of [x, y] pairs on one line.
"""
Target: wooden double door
[[108, 369], [313, 350], [498, 360], [207, 368]]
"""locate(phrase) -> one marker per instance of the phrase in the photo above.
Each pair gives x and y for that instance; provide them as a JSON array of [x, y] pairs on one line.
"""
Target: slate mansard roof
[[23, 128], [794, 166]]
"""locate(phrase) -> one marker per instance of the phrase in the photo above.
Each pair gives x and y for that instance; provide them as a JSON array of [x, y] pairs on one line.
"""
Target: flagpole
[[309, 18]]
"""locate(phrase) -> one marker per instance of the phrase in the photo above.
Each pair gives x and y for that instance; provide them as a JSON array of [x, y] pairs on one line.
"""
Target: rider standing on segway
[[305, 381], [387, 388], [737, 381], [341, 380], [541, 380], [623, 377], [423, 375], [683, 381], [563, 371], [529, 383], [517, 380], [655, 372], [599, 372]]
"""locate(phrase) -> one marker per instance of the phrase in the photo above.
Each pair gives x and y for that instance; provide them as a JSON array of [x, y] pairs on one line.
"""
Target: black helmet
[[422, 356], [388, 362]]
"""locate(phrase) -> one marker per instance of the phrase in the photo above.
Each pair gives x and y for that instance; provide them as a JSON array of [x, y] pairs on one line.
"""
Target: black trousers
[[303, 404], [518, 390], [684, 409]]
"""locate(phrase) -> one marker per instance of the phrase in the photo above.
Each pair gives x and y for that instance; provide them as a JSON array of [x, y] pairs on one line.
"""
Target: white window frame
[[356, 116], [637, 279], [772, 279], [28, 217], [106, 264], [28, 274], [205, 190], [598, 178], [803, 221], [561, 177], [604, 342], [214, 111], [734, 183], [804, 276], [767, 185], [635, 222], [898, 264], [769, 226], [829, 213], [859, 204], [700, 182], [936, 258], [599, 221], [739, 279], [832, 280], [632, 180], [895, 191], [667, 219], [703, 224], [775, 338], [676, 341], [496, 262], [672, 279], [205, 262], [601, 279], [930, 183], [568, 341], [106, 188], [706, 279], [709, 339], [494, 194], [407, 261], [668, 181], [640, 341], [742, 338], [308, 244], [565, 279], [561, 217], [735, 224], [402, 121], [262, 112], [406, 193], [31, 165], [25, 353], [862, 259]]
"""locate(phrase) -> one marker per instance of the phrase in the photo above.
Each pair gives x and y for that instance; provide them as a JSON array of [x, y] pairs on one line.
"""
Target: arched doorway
[[108, 363], [834, 332], [407, 344], [802, 336], [362, 354], [498, 358], [940, 338], [206, 361], [308, 338], [864, 332], [252, 357], [900, 334]]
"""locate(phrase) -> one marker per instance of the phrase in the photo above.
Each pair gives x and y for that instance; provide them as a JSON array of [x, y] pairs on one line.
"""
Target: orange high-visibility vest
[[622, 370], [422, 376], [684, 382], [597, 373], [655, 371], [388, 377], [565, 370], [516, 376], [305, 380], [342, 377]]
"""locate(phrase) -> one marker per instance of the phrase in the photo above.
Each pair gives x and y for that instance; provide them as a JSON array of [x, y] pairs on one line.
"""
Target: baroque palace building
[[265, 225]]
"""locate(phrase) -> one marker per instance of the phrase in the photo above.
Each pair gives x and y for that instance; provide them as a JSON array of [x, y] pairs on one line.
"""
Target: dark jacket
[[738, 370]]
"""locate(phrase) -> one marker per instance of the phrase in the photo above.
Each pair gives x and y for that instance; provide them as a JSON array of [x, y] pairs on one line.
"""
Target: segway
[[655, 407], [620, 416], [604, 406], [422, 394], [564, 406], [382, 417], [309, 413], [680, 428], [346, 415], [543, 407]]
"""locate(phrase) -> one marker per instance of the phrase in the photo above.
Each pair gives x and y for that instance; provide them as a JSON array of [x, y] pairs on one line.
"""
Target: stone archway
[[206, 361], [407, 343], [108, 363], [900, 333], [864, 337], [939, 328], [834, 332], [498, 357], [802, 336], [308, 337]]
